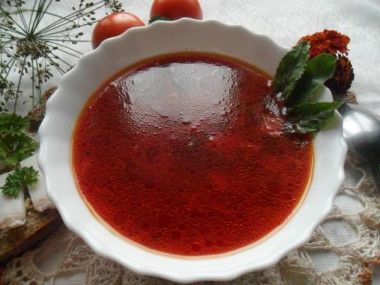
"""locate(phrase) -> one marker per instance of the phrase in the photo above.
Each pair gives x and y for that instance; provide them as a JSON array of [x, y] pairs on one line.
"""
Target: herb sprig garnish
[[15, 146], [19, 180], [15, 143], [297, 81]]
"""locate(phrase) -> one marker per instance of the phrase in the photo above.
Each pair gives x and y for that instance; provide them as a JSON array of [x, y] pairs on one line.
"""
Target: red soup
[[184, 154]]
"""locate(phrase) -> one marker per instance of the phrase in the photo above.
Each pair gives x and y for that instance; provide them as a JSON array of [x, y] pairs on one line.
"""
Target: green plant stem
[[63, 61], [65, 51], [40, 13], [13, 60], [69, 18], [19, 84], [46, 33], [22, 18], [5, 28], [65, 40], [33, 80], [14, 22], [53, 63], [57, 43], [32, 13]]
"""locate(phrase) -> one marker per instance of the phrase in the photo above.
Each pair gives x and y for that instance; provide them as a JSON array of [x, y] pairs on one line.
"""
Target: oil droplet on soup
[[180, 154]]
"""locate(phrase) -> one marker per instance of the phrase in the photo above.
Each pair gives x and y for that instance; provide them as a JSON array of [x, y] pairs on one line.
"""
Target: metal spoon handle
[[374, 164]]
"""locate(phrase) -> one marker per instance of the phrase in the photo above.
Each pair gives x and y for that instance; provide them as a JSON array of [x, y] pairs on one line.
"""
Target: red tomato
[[114, 25], [176, 9]]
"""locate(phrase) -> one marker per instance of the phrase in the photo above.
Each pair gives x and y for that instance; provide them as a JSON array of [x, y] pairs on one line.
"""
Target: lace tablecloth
[[345, 248]]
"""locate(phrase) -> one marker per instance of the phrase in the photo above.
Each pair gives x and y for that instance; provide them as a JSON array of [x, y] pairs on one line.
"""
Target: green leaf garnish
[[317, 71], [13, 124], [15, 144], [296, 82], [290, 69], [158, 18], [310, 117], [19, 180], [15, 148]]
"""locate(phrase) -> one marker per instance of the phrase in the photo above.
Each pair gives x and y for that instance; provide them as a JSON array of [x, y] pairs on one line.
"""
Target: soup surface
[[184, 154]]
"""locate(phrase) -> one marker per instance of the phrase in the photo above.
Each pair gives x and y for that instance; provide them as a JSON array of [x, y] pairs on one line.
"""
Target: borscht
[[185, 154]]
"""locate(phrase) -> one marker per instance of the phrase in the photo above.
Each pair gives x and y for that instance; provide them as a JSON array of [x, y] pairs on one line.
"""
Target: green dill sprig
[[33, 50]]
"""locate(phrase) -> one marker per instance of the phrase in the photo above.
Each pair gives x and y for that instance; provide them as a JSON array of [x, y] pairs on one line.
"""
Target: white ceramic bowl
[[160, 38]]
